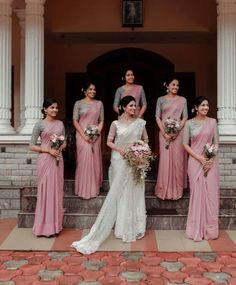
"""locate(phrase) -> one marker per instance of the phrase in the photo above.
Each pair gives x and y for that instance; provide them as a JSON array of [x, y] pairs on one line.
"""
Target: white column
[[34, 63], [226, 69], [5, 66], [21, 15]]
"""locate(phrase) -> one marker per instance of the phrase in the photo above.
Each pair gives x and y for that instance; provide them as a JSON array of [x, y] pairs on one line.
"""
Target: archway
[[106, 71]]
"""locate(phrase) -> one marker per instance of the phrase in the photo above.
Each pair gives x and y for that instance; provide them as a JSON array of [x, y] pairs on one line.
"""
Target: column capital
[[6, 2], [226, 7], [42, 2], [5, 7], [225, 1], [20, 13], [21, 16], [34, 7]]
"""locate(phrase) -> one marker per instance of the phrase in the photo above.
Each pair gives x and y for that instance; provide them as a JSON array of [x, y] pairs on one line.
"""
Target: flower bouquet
[[56, 142], [92, 132], [138, 157], [171, 127], [210, 151]]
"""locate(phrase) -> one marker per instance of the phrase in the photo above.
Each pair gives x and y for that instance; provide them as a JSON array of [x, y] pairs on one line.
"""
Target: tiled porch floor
[[14, 238]]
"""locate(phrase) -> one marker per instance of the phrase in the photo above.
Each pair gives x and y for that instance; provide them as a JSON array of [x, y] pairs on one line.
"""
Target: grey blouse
[[82, 107], [193, 128], [164, 101], [37, 130], [121, 90]]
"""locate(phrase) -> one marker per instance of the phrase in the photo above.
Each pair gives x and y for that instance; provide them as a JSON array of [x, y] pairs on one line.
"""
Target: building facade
[[48, 48]]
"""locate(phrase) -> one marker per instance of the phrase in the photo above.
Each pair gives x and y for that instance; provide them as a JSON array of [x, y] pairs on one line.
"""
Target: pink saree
[[202, 222], [50, 181], [88, 175], [172, 171]]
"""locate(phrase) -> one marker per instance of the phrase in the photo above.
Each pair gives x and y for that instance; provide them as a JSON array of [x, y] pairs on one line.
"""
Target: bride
[[124, 205]]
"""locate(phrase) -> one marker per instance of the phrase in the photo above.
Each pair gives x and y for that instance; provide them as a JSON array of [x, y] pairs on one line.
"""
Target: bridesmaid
[[131, 89], [50, 181], [88, 174], [171, 178], [202, 222]]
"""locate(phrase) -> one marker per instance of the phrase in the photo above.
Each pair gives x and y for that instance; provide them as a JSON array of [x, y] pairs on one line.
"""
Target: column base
[[227, 132], [6, 129], [26, 129]]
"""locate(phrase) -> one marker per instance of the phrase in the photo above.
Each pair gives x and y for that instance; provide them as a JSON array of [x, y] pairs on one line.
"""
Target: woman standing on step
[[129, 88], [50, 172], [124, 205], [88, 113], [202, 222], [172, 176]]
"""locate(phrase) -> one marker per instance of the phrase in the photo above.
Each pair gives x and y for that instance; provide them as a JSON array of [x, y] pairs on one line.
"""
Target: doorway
[[106, 71]]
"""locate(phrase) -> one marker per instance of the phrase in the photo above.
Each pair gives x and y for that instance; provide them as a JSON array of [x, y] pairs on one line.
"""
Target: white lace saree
[[124, 205]]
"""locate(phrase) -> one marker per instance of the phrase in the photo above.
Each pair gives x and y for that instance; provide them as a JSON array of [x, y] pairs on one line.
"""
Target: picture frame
[[132, 13]]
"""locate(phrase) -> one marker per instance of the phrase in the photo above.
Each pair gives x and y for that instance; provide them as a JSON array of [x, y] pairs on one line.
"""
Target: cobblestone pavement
[[153, 268]]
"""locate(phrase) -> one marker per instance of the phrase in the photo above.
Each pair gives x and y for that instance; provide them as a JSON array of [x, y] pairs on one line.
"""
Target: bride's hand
[[121, 151]]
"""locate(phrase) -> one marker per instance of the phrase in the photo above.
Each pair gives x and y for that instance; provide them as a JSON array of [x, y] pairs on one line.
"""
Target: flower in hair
[[82, 89], [164, 84], [193, 110]]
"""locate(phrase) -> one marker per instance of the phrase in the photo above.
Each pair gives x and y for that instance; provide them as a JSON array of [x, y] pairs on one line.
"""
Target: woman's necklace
[[127, 121]]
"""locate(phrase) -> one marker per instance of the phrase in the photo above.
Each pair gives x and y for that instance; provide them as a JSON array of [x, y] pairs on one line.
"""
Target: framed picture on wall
[[132, 13]]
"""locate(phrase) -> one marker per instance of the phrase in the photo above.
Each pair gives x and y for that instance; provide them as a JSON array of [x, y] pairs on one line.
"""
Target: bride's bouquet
[[138, 156], [210, 151], [171, 127], [56, 142]]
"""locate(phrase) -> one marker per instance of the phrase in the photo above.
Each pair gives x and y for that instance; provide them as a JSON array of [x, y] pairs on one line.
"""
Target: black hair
[[124, 102], [169, 79], [85, 86], [198, 101], [47, 103]]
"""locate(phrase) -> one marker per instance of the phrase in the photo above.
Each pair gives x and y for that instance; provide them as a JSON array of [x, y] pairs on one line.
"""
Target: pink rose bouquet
[[56, 142], [210, 151], [138, 156], [92, 132], [171, 127]]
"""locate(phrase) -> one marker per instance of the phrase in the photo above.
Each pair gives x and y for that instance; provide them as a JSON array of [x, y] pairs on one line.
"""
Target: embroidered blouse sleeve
[[185, 111], [216, 134], [117, 97], [143, 97], [36, 132], [158, 108], [186, 133], [112, 132], [76, 111]]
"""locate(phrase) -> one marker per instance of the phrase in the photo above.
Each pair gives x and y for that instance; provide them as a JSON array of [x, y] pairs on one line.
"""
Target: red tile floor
[[162, 257]]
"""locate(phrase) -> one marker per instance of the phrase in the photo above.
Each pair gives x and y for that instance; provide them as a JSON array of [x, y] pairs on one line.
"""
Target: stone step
[[74, 204], [69, 187], [159, 220]]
